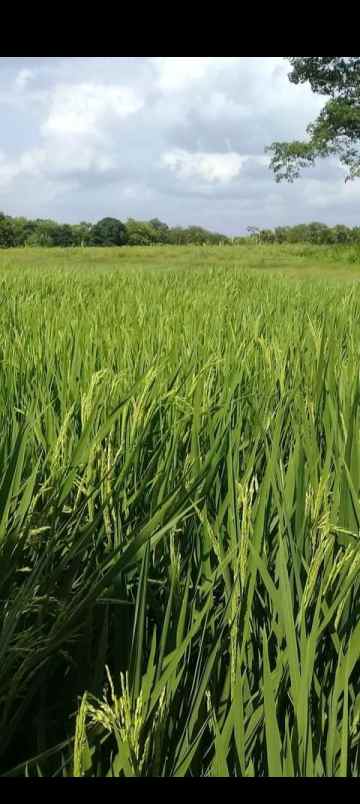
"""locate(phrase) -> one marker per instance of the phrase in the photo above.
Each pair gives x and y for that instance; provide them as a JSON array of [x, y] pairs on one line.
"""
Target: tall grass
[[179, 517]]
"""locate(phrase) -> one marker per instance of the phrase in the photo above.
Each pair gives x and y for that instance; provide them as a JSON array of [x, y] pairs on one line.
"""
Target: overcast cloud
[[181, 139]]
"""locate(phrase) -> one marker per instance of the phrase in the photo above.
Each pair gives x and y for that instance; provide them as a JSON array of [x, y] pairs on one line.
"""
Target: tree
[[281, 234], [81, 233], [23, 229], [336, 131], [254, 233], [266, 236], [342, 234], [63, 236], [141, 233], [317, 233], [43, 234], [162, 230], [298, 233], [108, 232], [7, 232]]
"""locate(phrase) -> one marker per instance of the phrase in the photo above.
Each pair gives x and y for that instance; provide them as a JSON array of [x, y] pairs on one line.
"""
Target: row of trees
[[317, 233], [15, 232]]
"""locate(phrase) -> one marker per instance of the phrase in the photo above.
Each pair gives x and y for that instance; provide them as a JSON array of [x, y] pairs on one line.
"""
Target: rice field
[[180, 512]]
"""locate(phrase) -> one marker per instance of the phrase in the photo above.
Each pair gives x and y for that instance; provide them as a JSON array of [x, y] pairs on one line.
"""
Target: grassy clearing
[[179, 513]]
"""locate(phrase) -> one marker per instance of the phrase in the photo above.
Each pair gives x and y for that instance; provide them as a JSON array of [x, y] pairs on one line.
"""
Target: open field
[[180, 511]]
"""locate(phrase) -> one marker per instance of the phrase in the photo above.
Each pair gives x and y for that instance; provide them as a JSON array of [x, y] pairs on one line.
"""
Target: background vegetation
[[21, 232]]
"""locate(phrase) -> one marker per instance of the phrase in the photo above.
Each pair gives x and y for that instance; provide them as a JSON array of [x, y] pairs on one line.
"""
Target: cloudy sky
[[181, 139]]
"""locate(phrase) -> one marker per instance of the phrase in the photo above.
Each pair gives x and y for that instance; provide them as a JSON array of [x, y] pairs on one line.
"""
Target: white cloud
[[23, 77], [211, 167], [28, 164], [323, 197], [7, 171], [82, 108], [220, 106], [178, 73], [76, 133]]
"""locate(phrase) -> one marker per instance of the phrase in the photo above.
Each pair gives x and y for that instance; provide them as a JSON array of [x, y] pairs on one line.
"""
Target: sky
[[177, 138]]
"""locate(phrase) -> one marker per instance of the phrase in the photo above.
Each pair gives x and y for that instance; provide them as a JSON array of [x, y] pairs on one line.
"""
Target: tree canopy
[[18, 232], [336, 131], [108, 232], [15, 232]]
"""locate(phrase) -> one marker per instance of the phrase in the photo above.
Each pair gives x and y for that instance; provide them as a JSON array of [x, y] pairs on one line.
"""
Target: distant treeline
[[17, 231], [317, 233]]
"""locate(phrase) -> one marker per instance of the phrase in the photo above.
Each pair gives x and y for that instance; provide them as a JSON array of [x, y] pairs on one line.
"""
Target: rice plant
[[179, 514]]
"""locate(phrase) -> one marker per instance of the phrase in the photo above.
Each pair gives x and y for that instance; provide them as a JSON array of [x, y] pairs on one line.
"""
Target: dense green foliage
[[336, 131], [179, 512], [315, 232], [15, 232], [108, 232]]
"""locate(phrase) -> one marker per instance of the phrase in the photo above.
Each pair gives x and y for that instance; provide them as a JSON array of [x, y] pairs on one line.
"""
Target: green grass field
[[180, 512]]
